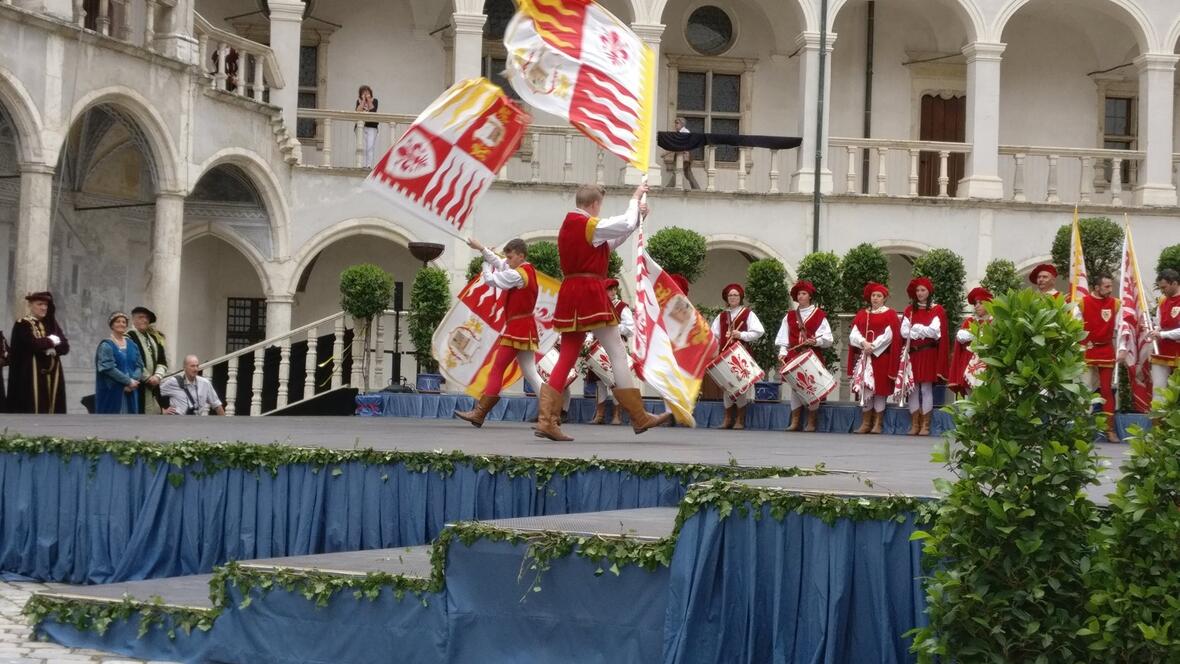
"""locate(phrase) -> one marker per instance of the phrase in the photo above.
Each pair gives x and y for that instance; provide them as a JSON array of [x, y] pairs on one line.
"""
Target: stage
[[331, 539]]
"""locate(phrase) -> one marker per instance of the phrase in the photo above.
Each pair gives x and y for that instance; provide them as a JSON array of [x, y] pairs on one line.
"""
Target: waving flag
[[1133, 326], [1079, 284], [466, 339], [442, 164], [905, 377], [863, 382], [574, 59], [673, 342]]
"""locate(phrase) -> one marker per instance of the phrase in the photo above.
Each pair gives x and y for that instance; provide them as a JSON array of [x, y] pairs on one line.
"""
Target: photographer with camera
[[190, 394]]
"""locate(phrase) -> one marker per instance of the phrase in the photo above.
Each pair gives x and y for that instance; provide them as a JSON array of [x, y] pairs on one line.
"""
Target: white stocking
[[528, 367], [601, 392], [1159, 379], [927, 397], [616, 350]]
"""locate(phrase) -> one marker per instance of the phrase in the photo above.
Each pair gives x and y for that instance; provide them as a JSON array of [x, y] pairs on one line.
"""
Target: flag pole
[[1147, 323]]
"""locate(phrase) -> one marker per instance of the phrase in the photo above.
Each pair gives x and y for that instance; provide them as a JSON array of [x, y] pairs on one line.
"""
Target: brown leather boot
[[925, 430], [915, 423], [739, 419], [878, 420], [812, 421], [796, 419], [727, 423], [599, 413], [866, 421], [476, 415], [549, 415], [616, 417], [641, 420], [1111, 435]]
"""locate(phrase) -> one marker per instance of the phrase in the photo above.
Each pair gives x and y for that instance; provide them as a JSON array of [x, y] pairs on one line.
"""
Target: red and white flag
[[1079, 283], [439, 168], [574, 59], [1133, 326], [673, 342]]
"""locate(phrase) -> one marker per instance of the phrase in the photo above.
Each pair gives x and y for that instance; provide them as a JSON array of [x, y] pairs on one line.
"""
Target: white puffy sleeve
[[627, 323], [783, 338], [964, 336], [754, 329], [823, 335], [613, 231]]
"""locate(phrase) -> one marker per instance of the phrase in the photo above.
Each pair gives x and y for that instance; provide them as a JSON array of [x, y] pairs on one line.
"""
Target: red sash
[[738, 324]]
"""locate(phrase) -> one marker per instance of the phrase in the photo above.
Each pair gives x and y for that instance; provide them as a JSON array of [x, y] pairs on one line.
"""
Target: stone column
[[175, 37], [651, 34], [33, 233], [286, 19], [279, 308], [468, 46], [163, 288], [1156, 76], [803, 179], [982, 178]]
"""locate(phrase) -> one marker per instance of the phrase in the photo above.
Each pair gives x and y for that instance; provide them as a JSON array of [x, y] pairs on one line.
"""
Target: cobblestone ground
[[16, 646]]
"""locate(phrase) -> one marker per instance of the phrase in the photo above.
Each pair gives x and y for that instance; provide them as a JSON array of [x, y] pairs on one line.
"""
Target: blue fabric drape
[[66, 520], [114, 369], [748, 589]]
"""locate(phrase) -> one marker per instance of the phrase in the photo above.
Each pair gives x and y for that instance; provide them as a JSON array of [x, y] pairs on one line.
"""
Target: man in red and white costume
[[875, 330], [924, 324], [1044, 279], [737, 324], [1167, 331], [961, 359], [584, 245], [1100, 314], [520, 338], [626, 330], [804, 329]]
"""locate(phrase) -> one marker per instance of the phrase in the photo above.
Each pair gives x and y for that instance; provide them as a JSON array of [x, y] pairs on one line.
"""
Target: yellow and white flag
[[1079, 284]]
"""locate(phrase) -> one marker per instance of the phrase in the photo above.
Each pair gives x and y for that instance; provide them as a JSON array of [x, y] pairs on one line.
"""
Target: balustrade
[[232, 63]]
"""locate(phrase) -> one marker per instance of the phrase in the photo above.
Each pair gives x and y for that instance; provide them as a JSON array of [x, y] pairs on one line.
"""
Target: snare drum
[[545, 364], [735, 371], [600, 364], [809, 378]]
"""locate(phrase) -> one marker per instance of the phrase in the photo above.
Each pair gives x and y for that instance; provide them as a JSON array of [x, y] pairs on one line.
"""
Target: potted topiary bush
[[767, 294], [1001, 277], [430, 299], [862, 264], [365, 292], [678, 251], [1169, 259], [822, 269], [1102, 243], [945, 268]]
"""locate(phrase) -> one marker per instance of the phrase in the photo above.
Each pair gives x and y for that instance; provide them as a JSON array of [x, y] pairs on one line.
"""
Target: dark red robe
[[871, 326], [36, 382], [928, 357]]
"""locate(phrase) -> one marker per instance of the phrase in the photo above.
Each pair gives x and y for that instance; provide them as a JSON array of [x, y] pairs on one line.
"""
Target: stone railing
[[894, 165], [116, 18], [1068, 175], [235, 64]]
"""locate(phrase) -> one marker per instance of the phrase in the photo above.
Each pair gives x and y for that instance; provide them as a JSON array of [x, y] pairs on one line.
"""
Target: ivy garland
[[97, 617]]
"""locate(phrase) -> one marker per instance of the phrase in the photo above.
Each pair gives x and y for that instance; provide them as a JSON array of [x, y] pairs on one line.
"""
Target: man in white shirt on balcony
[[190, 394]]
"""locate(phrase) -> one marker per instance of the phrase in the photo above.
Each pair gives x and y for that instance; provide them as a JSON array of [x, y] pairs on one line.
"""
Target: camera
[[191, 410]]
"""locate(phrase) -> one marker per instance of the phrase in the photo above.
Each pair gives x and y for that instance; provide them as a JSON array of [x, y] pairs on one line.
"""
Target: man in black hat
[[155, 360], [36, 382]]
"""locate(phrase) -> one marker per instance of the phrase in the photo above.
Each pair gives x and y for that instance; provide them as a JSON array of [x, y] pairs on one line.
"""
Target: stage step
[[850, 484], [645, 524], [183, 592], [409, 561]]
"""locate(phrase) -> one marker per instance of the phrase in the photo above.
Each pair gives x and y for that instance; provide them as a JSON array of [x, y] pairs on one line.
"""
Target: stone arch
[[706, 290], [147, 119], [1140, 25], [373, 226], [967, 10], [25, 118], [249, 251], [1171, 41], [655, 13], [904, 247], [267, 183]]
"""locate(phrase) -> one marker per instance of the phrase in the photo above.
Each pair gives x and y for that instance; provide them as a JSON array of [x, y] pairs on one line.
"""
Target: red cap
[[680, 282], [979, 294], [874, 287], [39, 296], [802, 285], [1043, 267], [610, 283], [912, 289], [738, 287]]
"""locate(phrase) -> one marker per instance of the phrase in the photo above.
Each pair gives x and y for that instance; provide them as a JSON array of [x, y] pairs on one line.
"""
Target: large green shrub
[[1169, 259], [945, 268], [822, 269], [1008, 548], [474, 267], [1001, 277], [862, 264], [767, 294], [1102, 242], [1136, 580], [365, 290], [430, 299], [543, 256], [678, 251]]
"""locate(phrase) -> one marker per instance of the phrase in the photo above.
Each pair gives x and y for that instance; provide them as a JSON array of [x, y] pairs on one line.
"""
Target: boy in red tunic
[[925, 326], [875, 330], [584, 244], [519, 339], [957, 378], [1099, 312], [737, 324], [1166, 333], [804, 329], [1044, 279]]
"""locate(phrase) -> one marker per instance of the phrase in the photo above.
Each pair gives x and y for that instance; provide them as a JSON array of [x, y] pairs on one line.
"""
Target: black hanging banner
[[674, 141]]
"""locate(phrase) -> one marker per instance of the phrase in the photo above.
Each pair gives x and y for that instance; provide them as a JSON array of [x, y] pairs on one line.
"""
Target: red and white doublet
[[929, 346], [1167, 320], [881, 328], [584, 245], [956, 378], [1100, 318], [744, 321], [802, 323], [521, 288]]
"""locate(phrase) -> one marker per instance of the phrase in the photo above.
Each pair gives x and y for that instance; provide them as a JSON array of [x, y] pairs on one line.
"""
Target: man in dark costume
[[36, 383], [3, 363]]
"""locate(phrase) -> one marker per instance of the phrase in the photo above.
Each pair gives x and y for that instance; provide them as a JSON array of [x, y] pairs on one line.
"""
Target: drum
[[973, 372], [809, 378], [545, 364], [599, 363], [735, 371]]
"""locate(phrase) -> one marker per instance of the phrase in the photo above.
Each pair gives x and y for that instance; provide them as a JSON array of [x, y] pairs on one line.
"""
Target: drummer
[[957, 379], [875, 330], [626, 330], [804, 329], [924, 327], [737, 324]]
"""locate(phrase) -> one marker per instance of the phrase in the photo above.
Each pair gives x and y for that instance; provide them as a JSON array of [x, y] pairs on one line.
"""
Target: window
[[709, 30], [711, 103], [495, 58], [1118, 131], [309, 96], [245, 322], [499, 15], [492, 68]]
